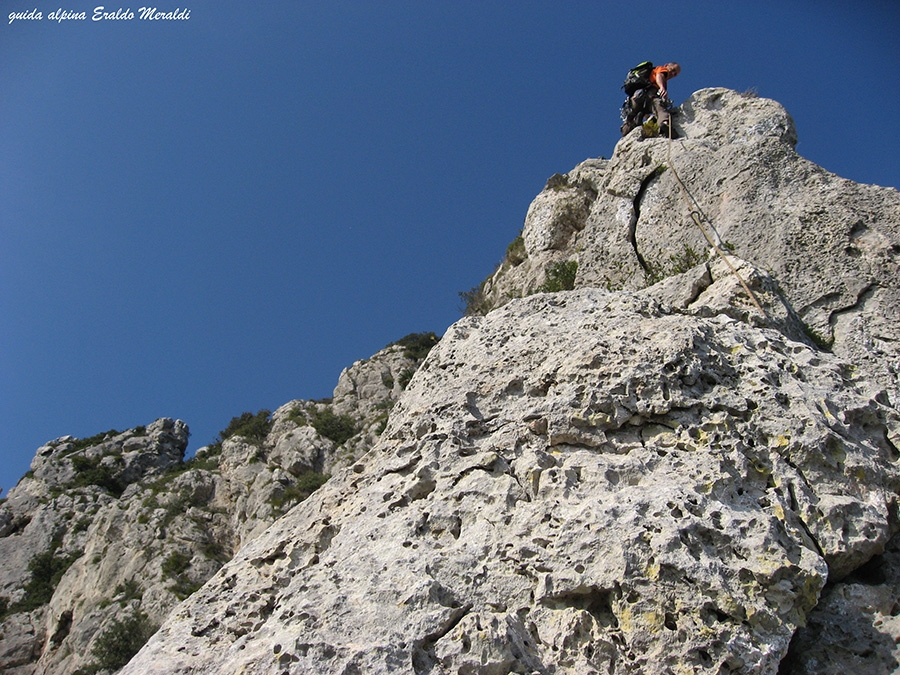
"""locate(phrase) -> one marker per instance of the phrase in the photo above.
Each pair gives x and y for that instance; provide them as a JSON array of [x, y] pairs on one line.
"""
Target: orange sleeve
[[657, 71]]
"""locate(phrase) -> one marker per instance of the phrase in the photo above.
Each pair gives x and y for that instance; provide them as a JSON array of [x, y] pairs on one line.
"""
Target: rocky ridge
[[516, 517], [639, 474], [105, 535], [828, 243]]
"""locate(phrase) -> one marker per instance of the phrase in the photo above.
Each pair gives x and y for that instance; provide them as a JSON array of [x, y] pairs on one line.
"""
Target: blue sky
[[216, 215]]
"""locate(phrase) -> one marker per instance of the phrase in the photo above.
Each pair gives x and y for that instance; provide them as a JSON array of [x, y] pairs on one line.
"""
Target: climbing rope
[[697, 216]]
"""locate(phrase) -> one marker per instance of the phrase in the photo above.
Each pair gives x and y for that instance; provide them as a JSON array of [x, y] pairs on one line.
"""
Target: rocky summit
[[664, 440]]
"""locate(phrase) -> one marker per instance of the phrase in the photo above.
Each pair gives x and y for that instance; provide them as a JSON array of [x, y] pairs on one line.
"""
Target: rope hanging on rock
[[697, 215]]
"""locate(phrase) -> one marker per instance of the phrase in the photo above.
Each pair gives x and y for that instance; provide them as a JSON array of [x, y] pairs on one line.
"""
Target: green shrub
[[175, 567], [475, 302], [175, 564], [208, 462], [180, 502], [81, 526], [93, 472], [515, 252], [560, 277], [306, 484], [252, 427], [677, 263], [380, 422], [150, 502], [129, 590], [46, 570], [215, 448], [215, 550], [406, 376], [96, 439], [311, 481], [338, 428], [417, 345], [184, 587], [119, 642], [298, 416]]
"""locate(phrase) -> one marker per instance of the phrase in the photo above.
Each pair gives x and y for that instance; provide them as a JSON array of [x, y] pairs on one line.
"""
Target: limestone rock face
[[646, 474], [368, 390], [62, 517], [831, 245], [559, 212], [106, 535], [577, 482], [554, 223], [40, 509]]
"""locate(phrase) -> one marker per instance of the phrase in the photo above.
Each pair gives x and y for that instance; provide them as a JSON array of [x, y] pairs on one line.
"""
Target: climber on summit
[[648, 96]]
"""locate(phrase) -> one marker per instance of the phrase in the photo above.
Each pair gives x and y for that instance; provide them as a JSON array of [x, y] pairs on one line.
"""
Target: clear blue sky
[[216, 215]]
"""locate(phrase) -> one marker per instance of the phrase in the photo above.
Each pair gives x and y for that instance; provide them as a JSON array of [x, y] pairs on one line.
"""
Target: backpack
[[638, 77]]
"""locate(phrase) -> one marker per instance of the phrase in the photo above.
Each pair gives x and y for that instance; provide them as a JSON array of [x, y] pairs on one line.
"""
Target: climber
[[661, 103], [648, 96]]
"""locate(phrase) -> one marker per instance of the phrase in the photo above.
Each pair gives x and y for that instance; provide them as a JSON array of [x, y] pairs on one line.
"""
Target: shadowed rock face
[[642, 475]]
